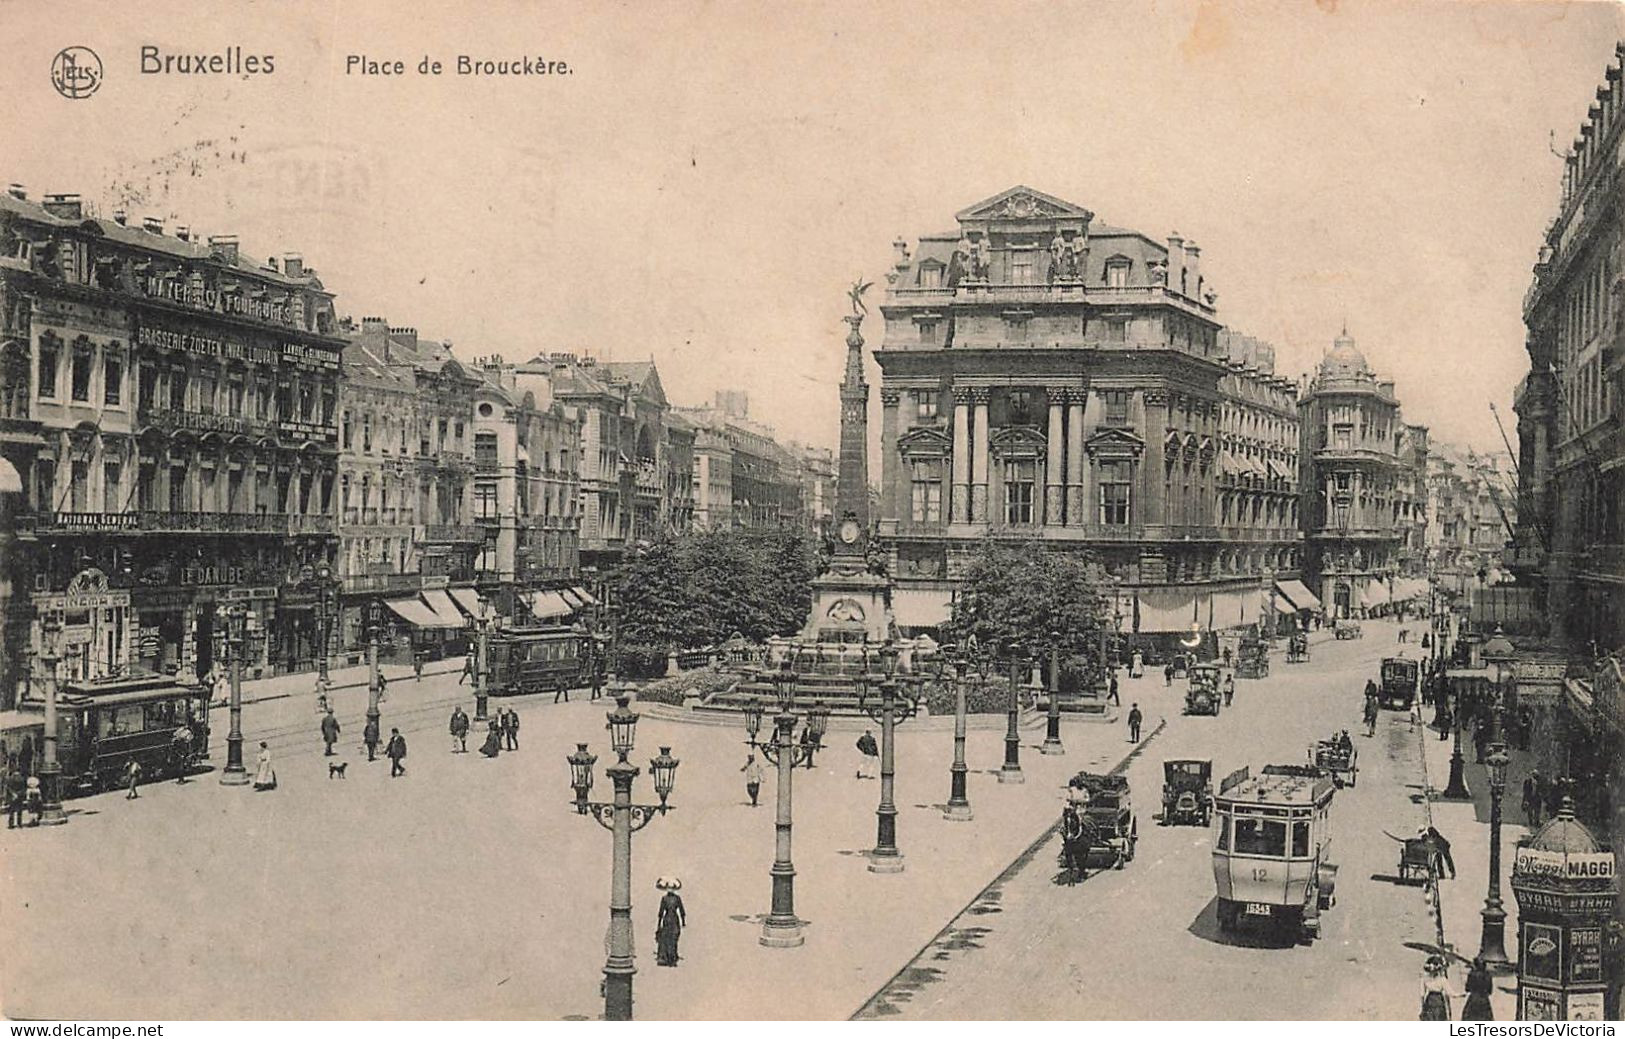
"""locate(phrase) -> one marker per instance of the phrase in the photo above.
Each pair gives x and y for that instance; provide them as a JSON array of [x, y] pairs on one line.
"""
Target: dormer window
[[1117, 269], [931, 277]]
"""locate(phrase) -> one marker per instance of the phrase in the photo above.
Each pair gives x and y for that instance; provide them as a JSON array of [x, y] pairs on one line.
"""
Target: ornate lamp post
[[1052, 731], [327, 594], [50, 770], [781, 929], [622, 818], [1456, 788], [234, 774], [1011, 772], [1492, 941], [482, 692], [885, 858], [375, 622], [956, 666]]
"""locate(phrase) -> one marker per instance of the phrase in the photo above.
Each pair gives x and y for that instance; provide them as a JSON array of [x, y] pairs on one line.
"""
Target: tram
[[520, 661], [103, 725]]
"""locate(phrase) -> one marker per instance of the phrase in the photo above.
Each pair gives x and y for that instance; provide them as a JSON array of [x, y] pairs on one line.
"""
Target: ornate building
[[1571, 465], [175, 428], [1049, 377], [1364, 487], [742, 477]]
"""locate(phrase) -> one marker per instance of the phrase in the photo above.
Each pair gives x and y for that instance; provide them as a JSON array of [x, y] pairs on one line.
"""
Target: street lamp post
[[1492, 941], [326, 609], [50, 770], [482, 691], [781, 929], [234, 774], [375, 621], [958, 808], [885, 858], [1052, 731], [622, 818], [1010, 772], [1456, 788]]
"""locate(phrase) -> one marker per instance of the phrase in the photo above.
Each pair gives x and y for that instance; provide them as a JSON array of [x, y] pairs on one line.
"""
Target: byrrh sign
[[1535, 862]]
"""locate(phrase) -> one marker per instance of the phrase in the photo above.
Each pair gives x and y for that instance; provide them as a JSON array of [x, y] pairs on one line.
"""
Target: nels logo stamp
[[76, 72]]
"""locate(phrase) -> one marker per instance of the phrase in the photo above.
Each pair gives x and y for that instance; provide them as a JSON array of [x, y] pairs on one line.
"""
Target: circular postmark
[[76, 72]]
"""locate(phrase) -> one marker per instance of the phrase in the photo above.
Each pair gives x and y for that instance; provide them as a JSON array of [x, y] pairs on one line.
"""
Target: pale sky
[[711, 176]]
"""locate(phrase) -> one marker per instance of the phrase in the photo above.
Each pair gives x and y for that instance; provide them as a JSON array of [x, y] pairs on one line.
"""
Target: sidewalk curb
[[1016, 864], [267, 698]]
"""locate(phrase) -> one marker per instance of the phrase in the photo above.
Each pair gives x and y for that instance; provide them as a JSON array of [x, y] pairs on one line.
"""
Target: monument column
[[1054, 476], [961, 459], [978, 459], [1076, 514]]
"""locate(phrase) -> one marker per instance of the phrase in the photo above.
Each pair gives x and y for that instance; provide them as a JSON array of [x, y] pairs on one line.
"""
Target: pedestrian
[[132, 776], [1481, 737], [1416, 714], [264, 774], [180, 751], [369, 736], [1435, 990], [35, 797], [1071, 833], [1479, 987], [222, 691], [1402, 633], [383, 687], [1168, 673], [1136, 667], [330, 731], [1439, 853], [417, 665], [1229, 687], [1111, 689], [493, 739], [468, 669], [459, 730], [16, 798], [1370, 689], [869, 751], [1227, 656], [1134, 720], [1531, 802], [669, 923], [753, 777], [1613, 961], [396, 750], [513, 729], [563, 691]]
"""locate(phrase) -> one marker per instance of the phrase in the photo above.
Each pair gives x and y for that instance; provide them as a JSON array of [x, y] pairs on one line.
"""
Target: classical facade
[[1571, 465], [1046, 376], [1364, 487], [174, 427], [1472, 513]]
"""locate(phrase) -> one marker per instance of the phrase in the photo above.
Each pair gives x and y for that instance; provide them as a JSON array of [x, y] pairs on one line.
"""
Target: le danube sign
[[1535, 862]]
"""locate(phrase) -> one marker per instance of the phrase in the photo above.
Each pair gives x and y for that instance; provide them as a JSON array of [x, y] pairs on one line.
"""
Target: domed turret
[[1565, 834], [1344, 360]]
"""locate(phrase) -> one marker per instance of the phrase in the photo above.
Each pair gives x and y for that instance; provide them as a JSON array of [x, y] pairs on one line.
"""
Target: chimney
[[183, 232], [374, 325], [120, 217], [1176, 262], [408, 337], [1193, 270], [16, 191], [64, 207], [293, 265], [152, 225], [222, 247]]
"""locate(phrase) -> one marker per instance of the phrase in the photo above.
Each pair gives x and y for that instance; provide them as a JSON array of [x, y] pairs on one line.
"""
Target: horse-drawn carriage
[[1339, 757], [1347, 629], [1297, 648], [1253, 658], [1105, 831], [1202, 696], [1187, 791]]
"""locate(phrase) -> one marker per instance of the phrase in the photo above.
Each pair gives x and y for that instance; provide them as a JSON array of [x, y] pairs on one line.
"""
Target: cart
[[1347, 629], [1297, 648], [1339, 757], [1253, 659], [1414, 858], [1202, 695]]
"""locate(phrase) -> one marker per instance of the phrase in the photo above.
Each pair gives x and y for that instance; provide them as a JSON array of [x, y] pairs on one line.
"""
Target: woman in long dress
[[1435, 991], [669, 927], [264, 774], [1479, 986], [493, 740]]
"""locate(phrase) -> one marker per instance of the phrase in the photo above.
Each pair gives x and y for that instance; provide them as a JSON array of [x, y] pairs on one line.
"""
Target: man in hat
[[330, 731], [869, 751], [396, 752], [459, 730], [1135, 718], [753, 777], [1438, 852], [511, 729]]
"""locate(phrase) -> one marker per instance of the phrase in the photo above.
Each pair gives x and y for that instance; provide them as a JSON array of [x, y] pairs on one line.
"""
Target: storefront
[[96, 638]]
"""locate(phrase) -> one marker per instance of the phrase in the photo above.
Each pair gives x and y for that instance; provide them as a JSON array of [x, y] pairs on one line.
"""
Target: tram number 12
[[1260, 873]]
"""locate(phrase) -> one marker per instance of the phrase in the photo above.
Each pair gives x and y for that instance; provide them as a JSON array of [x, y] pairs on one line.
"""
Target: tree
[[1020, 599]]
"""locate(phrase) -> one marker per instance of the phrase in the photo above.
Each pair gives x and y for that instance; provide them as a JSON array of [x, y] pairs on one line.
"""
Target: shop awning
[[1300, 597], [470, 601], [414, 612], [1279, 469], [449, 616], [919, 607], [571, 598], [1375, 593], [584, 595], [10, 482], [1172, 610], [548, 605], [1282, 606]]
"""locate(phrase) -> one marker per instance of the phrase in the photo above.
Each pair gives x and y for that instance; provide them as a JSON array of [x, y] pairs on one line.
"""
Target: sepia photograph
[[721, 511]]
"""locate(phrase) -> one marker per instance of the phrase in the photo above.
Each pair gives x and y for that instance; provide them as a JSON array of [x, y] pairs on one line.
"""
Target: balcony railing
[[447, 533], [184, 418], [381, 583]]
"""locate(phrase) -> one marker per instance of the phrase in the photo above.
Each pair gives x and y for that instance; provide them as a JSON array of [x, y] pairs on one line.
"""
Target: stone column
[[961, 460], [1077, 512], [1156, 427], [979, 459], [1054, 477], [894, 504]]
